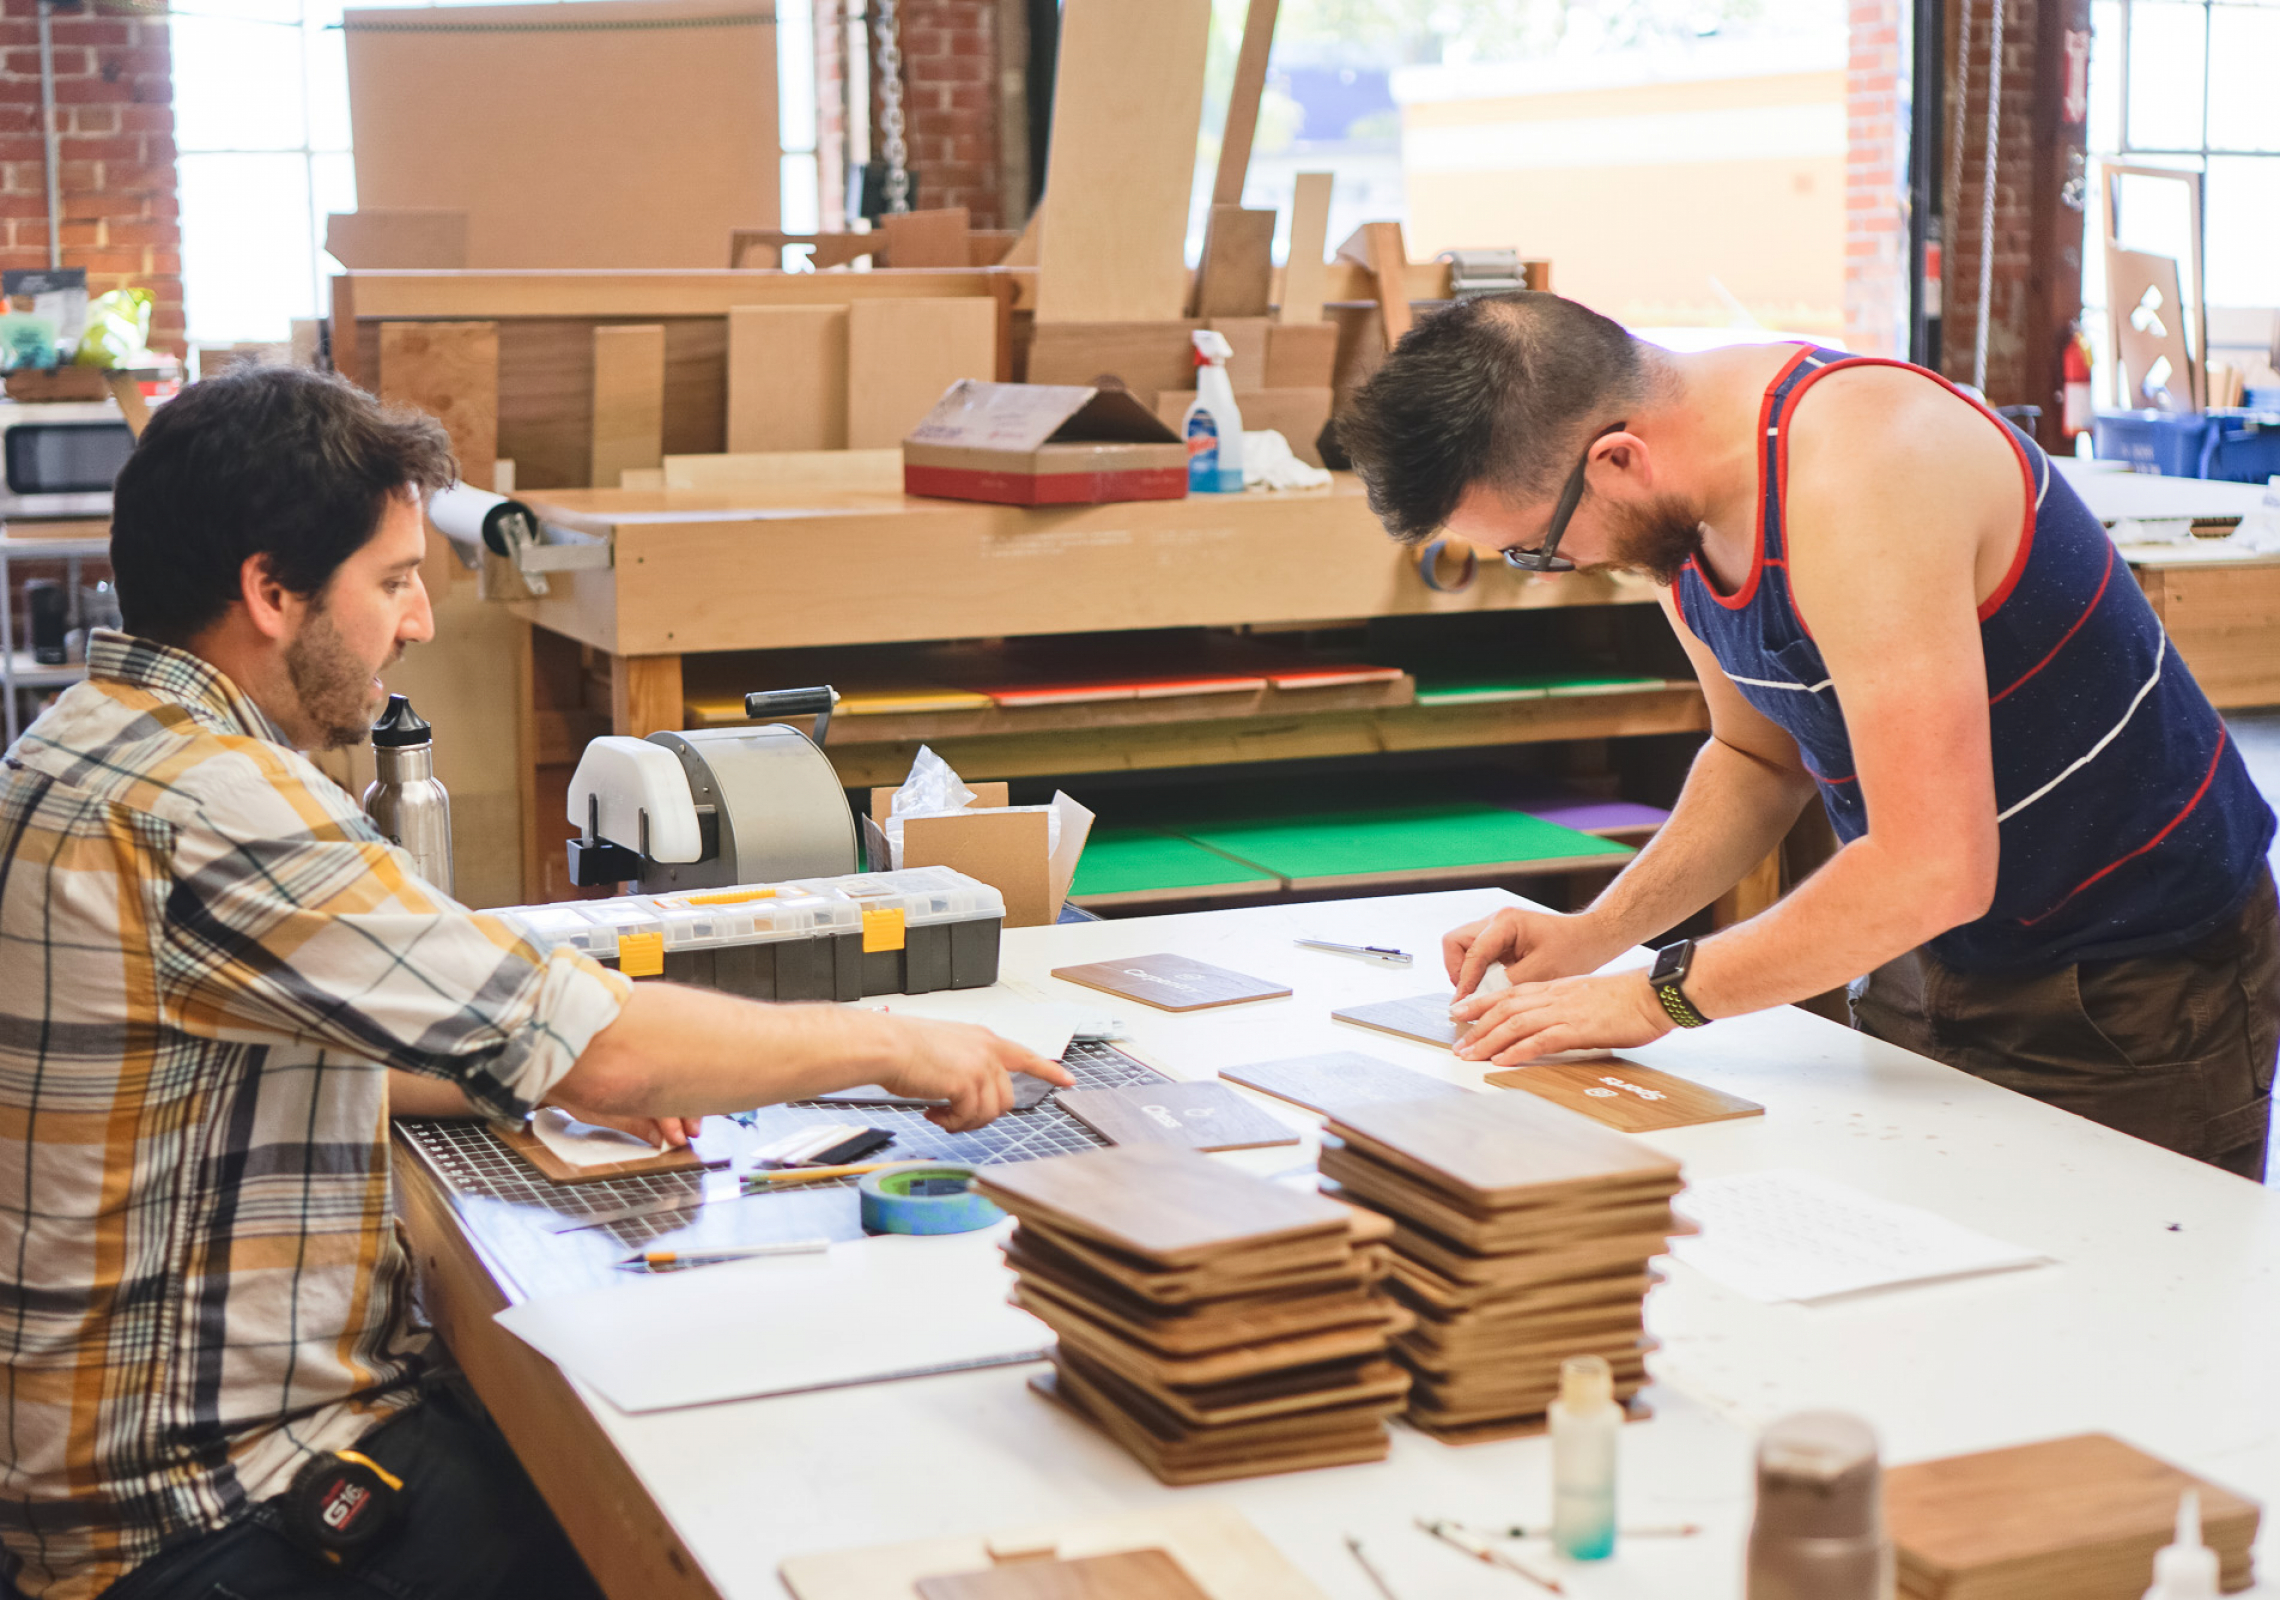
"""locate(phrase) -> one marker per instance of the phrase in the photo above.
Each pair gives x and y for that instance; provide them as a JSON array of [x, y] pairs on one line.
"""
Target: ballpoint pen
[[1384, 954], [725, 1252], [1377, 1578]]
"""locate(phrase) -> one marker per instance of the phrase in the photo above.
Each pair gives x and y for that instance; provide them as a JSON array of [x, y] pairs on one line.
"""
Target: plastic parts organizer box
[[908, 932]]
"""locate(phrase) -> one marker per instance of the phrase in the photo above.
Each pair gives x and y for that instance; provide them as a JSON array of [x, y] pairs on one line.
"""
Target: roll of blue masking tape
[[924, 1197]]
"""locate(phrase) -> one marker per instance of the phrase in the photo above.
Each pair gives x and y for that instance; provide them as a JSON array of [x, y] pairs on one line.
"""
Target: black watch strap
[[1668, 975]]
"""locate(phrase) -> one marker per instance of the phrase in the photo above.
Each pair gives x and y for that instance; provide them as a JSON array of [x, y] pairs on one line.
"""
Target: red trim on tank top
[[1742, 596], [2104, 578], [1994, 602], [2223, 734]]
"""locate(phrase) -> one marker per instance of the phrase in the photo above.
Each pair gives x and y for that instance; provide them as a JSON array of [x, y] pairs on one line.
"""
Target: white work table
[[2159, 1321]]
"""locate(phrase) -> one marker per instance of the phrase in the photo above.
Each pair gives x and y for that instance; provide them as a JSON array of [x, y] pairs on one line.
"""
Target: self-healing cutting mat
[[1172, 983], [1341, 848], [1132, 865], [1193, 1116], [1423, 1017], [1625, 1095], [1330, 1083]]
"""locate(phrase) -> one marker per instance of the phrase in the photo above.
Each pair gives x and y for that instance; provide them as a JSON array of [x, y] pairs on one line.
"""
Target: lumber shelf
[[2224, 619], [701, 571], [1672, 708]]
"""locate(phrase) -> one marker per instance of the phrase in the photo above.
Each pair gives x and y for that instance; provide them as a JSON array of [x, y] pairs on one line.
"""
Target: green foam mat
[[1121, 860], [1397, 839], [1527, 686]]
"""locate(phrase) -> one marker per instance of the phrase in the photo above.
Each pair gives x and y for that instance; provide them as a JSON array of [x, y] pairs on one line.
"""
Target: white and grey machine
[[714, 806]]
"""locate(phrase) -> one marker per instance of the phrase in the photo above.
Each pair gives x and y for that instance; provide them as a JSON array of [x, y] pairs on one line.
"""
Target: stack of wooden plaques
[[2079, 1517], [1521, 1237], [1214, 1324]]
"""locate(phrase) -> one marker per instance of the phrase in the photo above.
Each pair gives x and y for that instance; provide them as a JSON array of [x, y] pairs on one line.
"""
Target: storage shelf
[[25, 673]]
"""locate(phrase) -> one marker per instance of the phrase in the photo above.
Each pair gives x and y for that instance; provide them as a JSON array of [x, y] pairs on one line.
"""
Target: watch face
[[1670, 962]]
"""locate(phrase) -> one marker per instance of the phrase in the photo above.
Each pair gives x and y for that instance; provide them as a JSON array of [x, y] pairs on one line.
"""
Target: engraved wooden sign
[[1625, 1095]]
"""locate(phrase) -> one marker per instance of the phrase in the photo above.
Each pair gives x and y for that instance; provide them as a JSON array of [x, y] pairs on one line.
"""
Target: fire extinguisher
[[2076, 417]]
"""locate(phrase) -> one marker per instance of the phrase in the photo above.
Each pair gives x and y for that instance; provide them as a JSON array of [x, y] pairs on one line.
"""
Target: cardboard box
[[1003, 846], [1030, 444]]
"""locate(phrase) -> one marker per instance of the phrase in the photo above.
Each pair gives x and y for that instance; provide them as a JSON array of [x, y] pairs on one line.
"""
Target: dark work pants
[[469, 1527], [2176, 1048]]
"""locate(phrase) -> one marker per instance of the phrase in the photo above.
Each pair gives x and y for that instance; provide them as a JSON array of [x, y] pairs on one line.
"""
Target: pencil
[[811, 1174], [725, 1252], [1377, 1578], [1449, 1534]]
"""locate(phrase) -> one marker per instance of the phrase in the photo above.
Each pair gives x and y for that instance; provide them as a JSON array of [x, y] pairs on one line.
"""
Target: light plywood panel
[[787, 377], [1243, 102], [927, 238], [629, 399], [901, 355], [1127, 100], [424, 240], [1306, 273], [636, 134], [1236, 276]]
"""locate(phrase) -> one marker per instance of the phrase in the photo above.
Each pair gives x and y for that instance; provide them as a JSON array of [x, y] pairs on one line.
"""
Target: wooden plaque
[[1423, 1017], [1195, 1116], [516, 1136], [1126, 1575], [1330, 1082], [1172, 983], [1625, 1095]]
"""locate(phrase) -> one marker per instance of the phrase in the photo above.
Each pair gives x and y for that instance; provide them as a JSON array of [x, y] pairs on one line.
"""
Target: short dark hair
[[285, 462], [1500, 390]]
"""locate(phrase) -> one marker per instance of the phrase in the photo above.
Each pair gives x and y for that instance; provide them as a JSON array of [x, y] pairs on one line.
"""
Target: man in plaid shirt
[[215, 976]]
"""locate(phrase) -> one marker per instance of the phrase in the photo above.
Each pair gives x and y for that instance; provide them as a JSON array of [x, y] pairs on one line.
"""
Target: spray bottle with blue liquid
[[1213, 427]]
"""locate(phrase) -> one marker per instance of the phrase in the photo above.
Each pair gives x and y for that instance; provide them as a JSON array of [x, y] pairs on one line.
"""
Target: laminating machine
[[714, 806]]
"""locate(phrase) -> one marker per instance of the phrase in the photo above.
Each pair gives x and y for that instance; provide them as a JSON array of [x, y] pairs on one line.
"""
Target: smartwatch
[[1672, 962]]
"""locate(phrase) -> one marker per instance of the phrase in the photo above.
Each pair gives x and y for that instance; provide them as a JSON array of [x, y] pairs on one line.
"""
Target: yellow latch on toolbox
[[641, 955], [882, 930]]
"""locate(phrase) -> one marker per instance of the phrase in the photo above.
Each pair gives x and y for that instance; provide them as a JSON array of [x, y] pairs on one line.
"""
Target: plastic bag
[[118, 329], [933, 789]]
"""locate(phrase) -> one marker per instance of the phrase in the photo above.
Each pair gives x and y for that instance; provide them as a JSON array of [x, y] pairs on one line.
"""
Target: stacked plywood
[[1214, 1324], [1521, 1237]]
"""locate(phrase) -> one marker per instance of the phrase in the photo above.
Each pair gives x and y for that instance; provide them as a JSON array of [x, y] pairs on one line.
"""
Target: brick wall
[[114, 102], [1876, 141], [950, 108]]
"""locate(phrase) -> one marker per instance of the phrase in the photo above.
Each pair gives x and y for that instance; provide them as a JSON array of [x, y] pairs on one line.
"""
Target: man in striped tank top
[[2051, 870]]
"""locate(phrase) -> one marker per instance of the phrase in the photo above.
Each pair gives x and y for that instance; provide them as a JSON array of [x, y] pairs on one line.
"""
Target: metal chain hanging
[[891, 107], [1987, 195]]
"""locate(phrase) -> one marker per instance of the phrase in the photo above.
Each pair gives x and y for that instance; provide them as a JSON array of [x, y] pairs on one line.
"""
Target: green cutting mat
[[1527, 686], [1404, 839], [1129, 860]]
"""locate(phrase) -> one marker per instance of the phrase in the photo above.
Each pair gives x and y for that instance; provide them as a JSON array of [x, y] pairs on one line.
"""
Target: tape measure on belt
[[924, 1197]]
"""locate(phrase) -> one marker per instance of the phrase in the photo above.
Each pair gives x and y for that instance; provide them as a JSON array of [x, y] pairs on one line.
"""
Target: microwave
[[58, 460]]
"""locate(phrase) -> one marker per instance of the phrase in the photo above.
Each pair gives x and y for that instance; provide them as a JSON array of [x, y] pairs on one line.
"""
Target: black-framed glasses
[[1546, 557]]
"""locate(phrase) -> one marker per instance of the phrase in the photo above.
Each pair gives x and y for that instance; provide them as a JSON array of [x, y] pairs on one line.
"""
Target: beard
[[1657, 539], [335, 687]]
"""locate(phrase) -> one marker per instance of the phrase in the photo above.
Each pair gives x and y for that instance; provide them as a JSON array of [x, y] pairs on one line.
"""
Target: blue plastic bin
[[2235, 446]]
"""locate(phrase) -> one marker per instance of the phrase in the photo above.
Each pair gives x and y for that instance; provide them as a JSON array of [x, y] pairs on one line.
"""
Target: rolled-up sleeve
[[298, 923]]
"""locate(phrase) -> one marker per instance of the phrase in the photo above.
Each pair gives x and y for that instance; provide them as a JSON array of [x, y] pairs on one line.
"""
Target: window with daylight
[[2187, 84]]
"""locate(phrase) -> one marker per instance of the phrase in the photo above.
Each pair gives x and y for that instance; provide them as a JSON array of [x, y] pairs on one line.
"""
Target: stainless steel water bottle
[[405, 802]]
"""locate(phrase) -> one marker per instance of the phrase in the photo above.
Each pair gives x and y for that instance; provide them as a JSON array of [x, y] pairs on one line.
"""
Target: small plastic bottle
[[1586, 1422], [1819, 1529], [2186, 1569], [1213, 427]]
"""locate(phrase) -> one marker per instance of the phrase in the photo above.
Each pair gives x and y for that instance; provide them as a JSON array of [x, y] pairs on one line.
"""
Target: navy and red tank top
[[2128, 822]]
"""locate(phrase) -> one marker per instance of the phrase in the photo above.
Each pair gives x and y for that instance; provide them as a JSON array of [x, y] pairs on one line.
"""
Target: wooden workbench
[[700, 576], [2155, 1320]]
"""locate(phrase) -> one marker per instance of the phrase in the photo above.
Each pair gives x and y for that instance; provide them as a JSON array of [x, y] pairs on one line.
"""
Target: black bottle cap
[[400, 726]]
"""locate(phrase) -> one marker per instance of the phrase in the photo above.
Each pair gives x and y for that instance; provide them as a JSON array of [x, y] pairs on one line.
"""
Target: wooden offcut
[[516, 1136], [1626, 1096], [901, 355], [1378, 247], [1193, 1116], [1172, 983], [1127, 96], [927, 238], [1235, 278], [1305, 271], [629, 399], [1243, 94], [787, 378], [1145, 357], [1301, 355], [401, 239], [1125, 1575]]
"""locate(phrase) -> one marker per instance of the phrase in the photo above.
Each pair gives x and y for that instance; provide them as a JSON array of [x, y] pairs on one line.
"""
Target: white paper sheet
[[582, 1144], [1790, 1235], [870, 1310]]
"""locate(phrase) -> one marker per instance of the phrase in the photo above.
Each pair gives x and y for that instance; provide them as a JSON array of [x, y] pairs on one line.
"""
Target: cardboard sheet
[[868, 1311]]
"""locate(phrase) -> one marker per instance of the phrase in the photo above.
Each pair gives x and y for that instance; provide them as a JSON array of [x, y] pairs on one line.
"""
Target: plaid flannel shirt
[[207, 957]]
